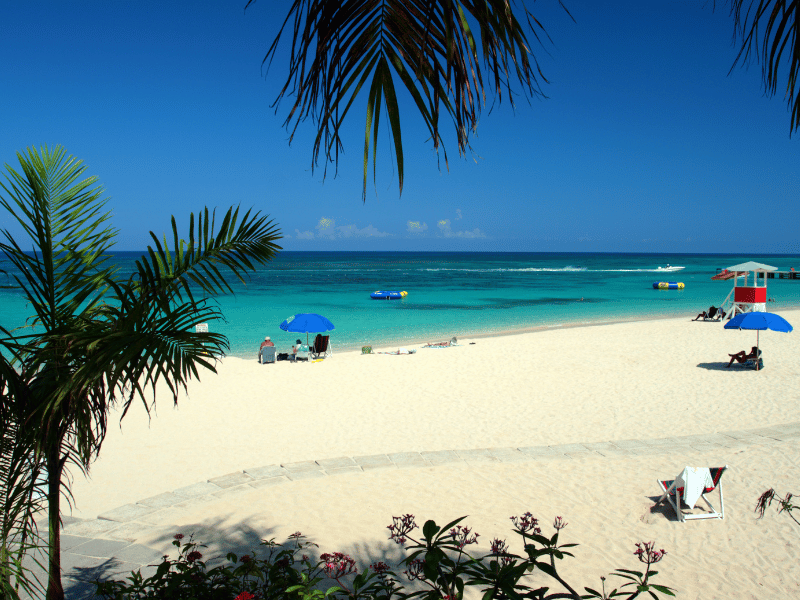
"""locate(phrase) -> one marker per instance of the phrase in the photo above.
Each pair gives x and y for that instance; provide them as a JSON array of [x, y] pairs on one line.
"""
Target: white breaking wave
[[568, 269], [520, 270]]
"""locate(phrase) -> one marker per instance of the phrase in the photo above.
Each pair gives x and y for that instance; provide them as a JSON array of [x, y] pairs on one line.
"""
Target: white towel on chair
[[694, 480]]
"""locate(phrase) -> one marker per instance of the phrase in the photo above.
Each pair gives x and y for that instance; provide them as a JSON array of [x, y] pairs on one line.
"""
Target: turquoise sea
[[458, 294]]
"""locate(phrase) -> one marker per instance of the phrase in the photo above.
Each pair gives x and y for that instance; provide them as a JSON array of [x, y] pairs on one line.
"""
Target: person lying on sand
[[743, 357], [452, 342]]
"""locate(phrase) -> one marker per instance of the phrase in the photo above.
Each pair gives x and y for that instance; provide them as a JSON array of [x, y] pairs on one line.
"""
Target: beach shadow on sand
[[723, 366]]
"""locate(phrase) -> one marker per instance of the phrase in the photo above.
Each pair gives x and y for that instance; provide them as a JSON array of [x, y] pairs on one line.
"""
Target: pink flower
[[379, 567], [500, 549], [295, 535], [525, 523], [559, 523], [178, 536], [338, 565], [461, 536], [400, 528], [415, 569], [646, 554]]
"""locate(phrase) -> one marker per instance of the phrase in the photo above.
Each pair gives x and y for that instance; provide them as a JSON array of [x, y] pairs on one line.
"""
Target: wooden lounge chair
[[688, 487], [321, 347]]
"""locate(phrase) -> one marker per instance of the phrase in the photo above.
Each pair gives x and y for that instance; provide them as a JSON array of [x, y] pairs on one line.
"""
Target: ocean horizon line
[[506, 252]]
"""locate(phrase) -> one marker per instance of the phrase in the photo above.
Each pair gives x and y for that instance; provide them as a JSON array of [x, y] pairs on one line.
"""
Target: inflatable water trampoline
[[381, 295], [668, 285]]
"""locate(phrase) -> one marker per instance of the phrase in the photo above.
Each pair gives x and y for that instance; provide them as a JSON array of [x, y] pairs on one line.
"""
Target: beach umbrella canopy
[[759, 321], [307, 323]]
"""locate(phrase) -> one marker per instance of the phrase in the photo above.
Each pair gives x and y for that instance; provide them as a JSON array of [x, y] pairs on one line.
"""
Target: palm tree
[[436, 49], [97, 338], [21, 495], [776, 45]]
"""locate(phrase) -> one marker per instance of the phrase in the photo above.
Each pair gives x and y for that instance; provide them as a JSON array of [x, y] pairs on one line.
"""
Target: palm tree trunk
[[54, 468]]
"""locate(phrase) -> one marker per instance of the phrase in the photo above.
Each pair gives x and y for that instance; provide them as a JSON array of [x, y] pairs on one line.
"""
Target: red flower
[[193, 556], [244, 596], [178, 536]]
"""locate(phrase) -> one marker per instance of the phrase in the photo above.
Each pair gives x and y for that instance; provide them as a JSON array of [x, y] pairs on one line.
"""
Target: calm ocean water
[[461, 294]]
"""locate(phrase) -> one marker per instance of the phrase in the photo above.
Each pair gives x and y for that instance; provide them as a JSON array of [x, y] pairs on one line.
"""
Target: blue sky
[[644, 145]]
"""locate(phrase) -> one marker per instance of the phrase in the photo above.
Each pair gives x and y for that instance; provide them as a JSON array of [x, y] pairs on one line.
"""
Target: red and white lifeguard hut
[[748, 298]]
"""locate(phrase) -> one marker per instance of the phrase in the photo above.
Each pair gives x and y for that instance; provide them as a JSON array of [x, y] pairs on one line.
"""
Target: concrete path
[[105, 547]]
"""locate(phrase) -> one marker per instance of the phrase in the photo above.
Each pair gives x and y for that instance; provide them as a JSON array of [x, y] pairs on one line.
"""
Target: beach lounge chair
[[688, 487], [301, 354], [750, 363], [321, 347], [267, 354]]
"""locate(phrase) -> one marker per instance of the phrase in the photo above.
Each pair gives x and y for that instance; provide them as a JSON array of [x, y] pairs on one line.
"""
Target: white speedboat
[[669, 269]]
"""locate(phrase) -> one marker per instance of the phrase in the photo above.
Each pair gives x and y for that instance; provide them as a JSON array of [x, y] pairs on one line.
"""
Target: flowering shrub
[[437, 561]]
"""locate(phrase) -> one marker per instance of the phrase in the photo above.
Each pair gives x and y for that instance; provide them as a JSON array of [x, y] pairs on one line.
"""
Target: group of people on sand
[[740, 357], [713, 312], [298, 347]]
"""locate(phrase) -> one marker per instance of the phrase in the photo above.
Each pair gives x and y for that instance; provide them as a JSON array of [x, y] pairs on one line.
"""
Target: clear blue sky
[[644, 145]]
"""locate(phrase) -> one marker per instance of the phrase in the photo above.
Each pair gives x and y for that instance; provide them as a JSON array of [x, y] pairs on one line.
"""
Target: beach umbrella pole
[[757, 361]]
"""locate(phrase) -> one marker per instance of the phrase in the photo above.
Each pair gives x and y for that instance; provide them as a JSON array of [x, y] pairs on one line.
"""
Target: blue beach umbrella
[[307, 323], [759, 321]]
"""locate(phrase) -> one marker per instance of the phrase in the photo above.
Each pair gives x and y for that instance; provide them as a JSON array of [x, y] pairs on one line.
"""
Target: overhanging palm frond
[[427, 45], [778, 45]]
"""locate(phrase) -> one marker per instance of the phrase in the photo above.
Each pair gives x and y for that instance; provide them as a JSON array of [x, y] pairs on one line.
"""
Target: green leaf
[[429, 530], [663, 589]]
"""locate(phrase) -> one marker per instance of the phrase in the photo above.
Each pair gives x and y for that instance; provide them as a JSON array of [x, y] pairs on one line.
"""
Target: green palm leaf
[[777, 46], [429, 45]]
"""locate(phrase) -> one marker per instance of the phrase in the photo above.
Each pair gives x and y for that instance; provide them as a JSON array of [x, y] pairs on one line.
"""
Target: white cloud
[[416, 227], [444, 227], [305, 235], [326, 228], [353, 231]]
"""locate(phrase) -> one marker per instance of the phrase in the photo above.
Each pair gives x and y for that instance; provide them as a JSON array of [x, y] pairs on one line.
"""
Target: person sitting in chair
[[266, 342], [712, 312], [298, 347], [742, 357]]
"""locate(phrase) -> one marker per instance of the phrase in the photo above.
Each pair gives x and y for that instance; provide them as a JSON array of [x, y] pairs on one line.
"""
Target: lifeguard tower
[[748, 298]]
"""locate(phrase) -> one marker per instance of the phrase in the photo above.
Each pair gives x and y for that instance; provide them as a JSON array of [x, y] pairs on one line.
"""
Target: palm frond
[[428, 45], [145, 333], [21, 484], [62, 217], [236, 247], [776, 47]]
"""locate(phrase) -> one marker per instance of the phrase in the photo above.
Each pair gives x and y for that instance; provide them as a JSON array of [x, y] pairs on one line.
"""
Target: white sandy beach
[[640, 380]]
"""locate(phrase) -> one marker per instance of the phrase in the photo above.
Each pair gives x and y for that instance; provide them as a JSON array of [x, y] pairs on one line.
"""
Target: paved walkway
[[105, 547]]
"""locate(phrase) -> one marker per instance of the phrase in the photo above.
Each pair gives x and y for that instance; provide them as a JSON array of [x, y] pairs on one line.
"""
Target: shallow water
[[457, 294]]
